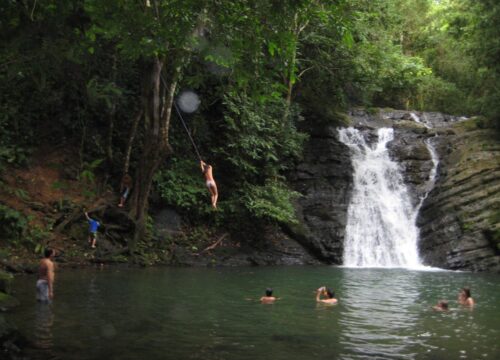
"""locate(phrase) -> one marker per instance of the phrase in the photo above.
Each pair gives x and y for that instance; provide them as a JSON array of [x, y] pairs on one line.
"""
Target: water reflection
[[379, 314], [44, 321], [202, 314]]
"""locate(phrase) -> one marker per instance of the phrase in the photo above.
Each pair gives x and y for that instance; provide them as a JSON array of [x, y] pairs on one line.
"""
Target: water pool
[[192, 313]]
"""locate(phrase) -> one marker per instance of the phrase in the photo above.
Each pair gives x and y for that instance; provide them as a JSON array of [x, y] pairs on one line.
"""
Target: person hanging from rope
[[206, 169], [211, 185]]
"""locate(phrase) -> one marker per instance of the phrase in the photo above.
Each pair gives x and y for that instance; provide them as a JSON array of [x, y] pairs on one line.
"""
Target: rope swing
[[183, 122], [187, 131]]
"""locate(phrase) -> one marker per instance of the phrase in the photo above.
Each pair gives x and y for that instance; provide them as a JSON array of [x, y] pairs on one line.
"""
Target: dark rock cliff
[[324, 179], [459, 218]]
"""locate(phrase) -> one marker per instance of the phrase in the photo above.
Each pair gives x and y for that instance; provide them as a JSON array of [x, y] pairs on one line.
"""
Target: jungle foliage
[[101, 77]]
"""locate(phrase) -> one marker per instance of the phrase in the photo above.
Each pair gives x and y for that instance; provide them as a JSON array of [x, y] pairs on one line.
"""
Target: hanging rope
[[182, 120], [187, 131]]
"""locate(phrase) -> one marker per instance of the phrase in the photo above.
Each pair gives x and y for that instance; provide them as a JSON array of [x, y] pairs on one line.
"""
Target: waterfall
[[381, 229], [433, 173], [434, 158], [417, 119]]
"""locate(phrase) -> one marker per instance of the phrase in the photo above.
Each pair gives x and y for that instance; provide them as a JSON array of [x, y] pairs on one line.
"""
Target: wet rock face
[[414, 159], [324, 179], [459, 220]]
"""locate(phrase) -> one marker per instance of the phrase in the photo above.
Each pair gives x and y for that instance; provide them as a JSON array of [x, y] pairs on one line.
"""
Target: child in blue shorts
[[93, 226]]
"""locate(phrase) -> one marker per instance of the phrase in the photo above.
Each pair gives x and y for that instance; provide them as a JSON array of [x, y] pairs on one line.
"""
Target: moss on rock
[[7, 301], [5, 281], [415, 127]]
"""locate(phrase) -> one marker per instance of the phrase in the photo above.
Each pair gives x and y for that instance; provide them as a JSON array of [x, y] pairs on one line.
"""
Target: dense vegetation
[[102, 76]]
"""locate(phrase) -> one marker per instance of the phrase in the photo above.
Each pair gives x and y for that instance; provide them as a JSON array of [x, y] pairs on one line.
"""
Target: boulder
[[11, 341], [167, 223], [7, 301], [5, 281]]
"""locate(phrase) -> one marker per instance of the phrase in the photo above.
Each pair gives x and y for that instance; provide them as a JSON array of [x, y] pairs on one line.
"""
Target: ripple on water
[[203, 314]]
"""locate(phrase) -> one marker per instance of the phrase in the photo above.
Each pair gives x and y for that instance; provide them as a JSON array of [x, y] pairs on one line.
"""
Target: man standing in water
[[209, 178], [45, 283]]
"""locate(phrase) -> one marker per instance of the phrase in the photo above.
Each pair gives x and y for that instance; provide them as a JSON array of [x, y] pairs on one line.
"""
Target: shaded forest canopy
[[98, 79]]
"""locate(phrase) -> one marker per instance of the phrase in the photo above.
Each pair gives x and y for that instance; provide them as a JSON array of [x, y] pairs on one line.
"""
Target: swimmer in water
[[465, 298], [442, 305], [268, 298], [326, 292]]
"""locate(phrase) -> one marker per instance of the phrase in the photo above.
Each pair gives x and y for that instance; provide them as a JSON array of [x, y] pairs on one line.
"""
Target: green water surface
[[189, 313]]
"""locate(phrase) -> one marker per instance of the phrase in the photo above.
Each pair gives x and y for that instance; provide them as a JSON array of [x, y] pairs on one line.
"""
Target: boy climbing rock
[[93, 226], [125, 187]]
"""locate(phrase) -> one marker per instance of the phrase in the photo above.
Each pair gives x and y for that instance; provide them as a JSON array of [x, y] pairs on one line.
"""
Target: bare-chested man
[[211, 185], [268, 298], [45, 283]]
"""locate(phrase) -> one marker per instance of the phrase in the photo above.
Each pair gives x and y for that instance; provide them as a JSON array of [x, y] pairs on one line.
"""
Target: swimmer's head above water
[[329, 293], [269, 292]]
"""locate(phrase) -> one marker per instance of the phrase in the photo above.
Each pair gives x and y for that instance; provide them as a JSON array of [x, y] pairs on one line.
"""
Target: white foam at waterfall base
[[381, 229]]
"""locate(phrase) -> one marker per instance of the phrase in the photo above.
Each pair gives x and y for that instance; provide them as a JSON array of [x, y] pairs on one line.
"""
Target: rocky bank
[[11, 341]]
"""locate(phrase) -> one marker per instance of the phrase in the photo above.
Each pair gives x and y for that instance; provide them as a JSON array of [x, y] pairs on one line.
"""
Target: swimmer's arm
[[318, 293]]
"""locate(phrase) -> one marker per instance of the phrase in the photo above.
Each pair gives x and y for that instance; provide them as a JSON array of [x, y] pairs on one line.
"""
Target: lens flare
[[188, 101]]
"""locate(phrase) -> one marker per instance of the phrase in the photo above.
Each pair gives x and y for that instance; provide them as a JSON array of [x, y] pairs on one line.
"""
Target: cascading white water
[[434, 158], [417, 119], [435, 163], [381, 229]]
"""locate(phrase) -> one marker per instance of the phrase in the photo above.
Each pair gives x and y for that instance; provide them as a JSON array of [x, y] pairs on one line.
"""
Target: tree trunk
[[111, 124], [157, 112], [150, 160], [291, 76], [150, 157], [131, 137], [109, 142]]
